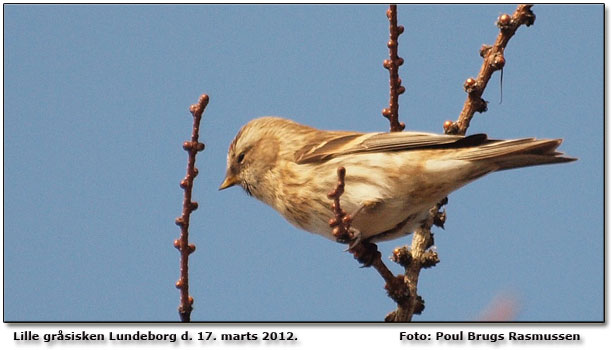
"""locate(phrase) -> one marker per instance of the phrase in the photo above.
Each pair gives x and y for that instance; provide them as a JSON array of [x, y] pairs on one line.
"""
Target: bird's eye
[[240, 158]]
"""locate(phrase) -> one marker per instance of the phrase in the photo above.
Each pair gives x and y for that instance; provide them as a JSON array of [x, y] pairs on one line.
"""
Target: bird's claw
[[353, 239]]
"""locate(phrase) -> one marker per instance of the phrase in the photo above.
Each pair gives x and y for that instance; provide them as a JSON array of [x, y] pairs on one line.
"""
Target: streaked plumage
[[393, 178]]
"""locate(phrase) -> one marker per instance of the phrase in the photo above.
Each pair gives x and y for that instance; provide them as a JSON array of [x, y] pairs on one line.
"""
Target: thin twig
[[392, 65], [341, 222], [493, 60], [182, 244]]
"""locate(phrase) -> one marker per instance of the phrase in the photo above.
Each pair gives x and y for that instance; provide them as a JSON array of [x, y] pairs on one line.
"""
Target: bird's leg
[[354, 239], [350, 234], [362, 249]]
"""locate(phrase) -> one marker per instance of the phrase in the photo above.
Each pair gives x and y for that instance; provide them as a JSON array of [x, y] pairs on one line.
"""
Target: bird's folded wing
[[336, 145]]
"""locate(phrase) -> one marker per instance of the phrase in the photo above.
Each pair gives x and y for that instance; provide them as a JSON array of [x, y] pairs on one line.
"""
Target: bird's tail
[[510, 154]]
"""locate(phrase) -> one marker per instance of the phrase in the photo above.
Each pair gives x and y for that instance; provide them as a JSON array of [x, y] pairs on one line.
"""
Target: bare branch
[[493, 60], [182, 244], [341, 222], [392, 65]]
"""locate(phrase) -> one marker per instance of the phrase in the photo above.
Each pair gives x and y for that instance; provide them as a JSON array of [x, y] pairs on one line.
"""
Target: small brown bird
[[392, 179]]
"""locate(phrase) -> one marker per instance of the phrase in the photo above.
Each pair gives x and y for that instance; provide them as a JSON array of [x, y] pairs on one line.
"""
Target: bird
[[392, 179]]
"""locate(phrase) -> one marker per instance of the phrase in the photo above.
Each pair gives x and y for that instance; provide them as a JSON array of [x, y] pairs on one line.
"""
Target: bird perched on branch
[[392, 179]]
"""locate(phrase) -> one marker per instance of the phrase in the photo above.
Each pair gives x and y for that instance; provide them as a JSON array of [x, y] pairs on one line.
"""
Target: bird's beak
[[230, 180]]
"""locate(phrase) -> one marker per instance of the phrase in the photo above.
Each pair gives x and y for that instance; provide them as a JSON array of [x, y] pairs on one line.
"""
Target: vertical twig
[[182, 244], [392, 65], [341, 222]]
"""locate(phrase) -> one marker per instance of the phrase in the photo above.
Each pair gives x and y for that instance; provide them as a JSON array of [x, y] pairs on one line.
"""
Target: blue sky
[[96, 109]]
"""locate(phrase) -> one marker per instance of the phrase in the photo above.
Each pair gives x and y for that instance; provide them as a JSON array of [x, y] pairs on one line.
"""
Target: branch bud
[[504, 22], [469, 85], [499, 61]]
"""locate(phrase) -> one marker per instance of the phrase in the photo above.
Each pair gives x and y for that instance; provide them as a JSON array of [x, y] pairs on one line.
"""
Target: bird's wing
[[330, 145], [347, 143]]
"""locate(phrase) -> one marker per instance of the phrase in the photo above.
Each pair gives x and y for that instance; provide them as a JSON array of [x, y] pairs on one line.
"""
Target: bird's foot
[[365, 252], [354, 239]]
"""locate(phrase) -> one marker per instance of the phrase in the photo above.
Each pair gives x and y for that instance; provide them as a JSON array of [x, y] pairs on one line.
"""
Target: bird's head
[[253, 152]]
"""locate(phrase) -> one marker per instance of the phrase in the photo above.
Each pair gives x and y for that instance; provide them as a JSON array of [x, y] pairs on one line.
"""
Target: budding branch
[[182, 244]]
